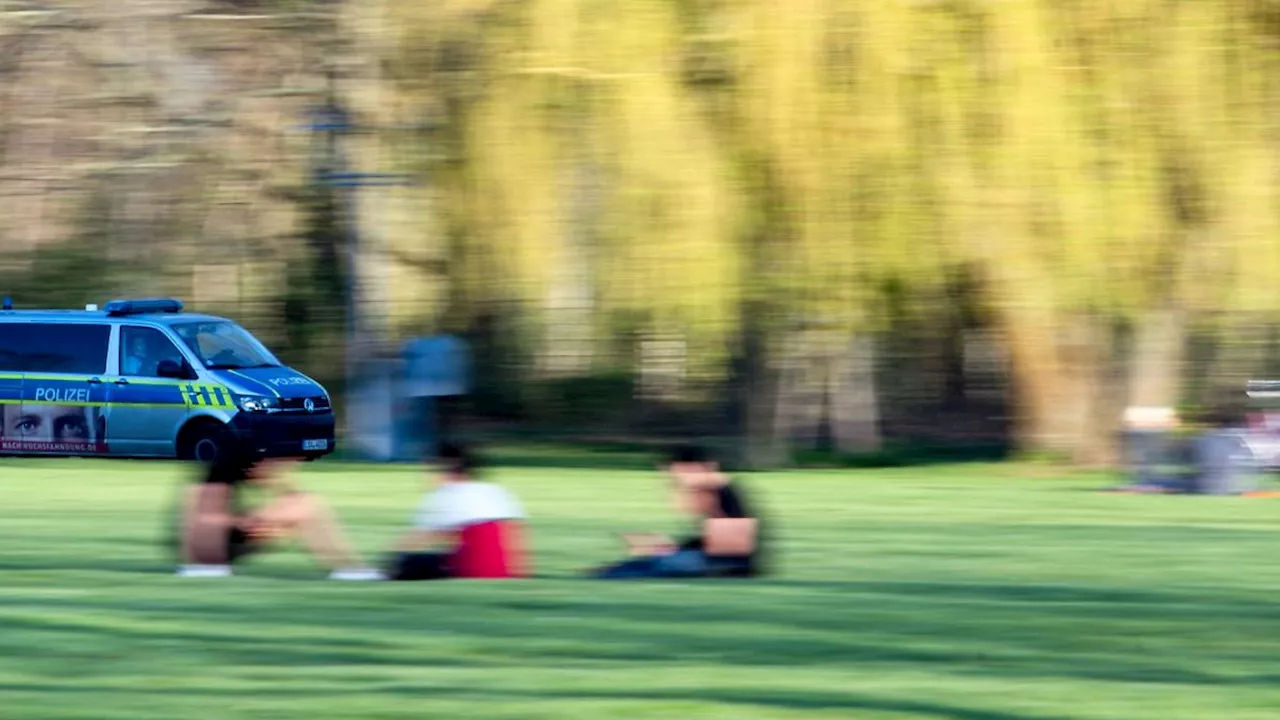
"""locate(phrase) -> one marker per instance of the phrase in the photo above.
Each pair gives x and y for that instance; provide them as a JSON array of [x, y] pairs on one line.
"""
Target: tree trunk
[[1079, 355], [1036, 374], [1155, 370], [955, 387], [855, 407], [762, 444], [1058, 366], [568, 336], [803, 394], [1096, 393], [1103, 438]]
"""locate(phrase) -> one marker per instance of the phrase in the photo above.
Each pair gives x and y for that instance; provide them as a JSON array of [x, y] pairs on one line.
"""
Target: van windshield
[[225, 346]]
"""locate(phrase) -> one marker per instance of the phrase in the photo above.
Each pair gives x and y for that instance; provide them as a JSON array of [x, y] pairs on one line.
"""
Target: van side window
[[142, 349], [73, 348]]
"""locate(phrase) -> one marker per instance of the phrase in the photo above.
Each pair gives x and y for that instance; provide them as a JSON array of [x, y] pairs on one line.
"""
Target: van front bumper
[[286, 434]]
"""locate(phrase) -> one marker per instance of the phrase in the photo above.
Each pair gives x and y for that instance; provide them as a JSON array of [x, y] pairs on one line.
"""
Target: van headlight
[[258, 404]]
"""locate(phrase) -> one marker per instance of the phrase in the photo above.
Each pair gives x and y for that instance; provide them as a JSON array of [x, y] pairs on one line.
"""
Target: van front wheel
[[203, 442]]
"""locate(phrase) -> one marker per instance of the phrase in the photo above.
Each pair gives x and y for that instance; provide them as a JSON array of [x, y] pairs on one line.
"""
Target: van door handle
[[95, 381], [121, 381]]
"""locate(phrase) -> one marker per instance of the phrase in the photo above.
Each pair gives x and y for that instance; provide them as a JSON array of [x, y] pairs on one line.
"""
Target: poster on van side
[[41, 427]]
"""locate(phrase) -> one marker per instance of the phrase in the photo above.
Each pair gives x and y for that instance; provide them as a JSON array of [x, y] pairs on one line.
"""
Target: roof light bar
[[144, 306]]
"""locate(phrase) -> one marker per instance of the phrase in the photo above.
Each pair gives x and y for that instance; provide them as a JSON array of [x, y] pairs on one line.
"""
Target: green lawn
[[963, 592]]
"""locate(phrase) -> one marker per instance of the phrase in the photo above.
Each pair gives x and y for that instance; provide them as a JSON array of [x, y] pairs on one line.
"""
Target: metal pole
[[355, 306], [335, 125]]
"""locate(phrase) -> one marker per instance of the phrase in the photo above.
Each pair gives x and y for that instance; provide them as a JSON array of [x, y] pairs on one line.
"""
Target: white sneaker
[[357, 574], [204, 571]]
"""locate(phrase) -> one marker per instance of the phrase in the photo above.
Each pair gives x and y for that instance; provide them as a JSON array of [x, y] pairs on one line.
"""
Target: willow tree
[[758, 217], [1101, 158], [580, 182], [1239, 101], [824, 101], [748, 176], [1031, 211], [671, 212]]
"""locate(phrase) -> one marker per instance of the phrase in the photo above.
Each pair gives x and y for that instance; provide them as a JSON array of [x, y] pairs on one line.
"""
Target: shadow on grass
[[776, 699], [641, 455], [620, 456], [592, 455], [1000, 631]]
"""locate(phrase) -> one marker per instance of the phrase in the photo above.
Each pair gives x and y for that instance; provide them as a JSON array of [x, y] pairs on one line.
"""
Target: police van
[[141, 378]]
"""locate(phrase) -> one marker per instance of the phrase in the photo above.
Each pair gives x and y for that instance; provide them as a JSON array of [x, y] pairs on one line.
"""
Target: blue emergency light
[[8, 304], [144, 306]]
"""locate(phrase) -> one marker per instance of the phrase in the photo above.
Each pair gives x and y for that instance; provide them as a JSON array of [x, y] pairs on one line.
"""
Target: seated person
[[216, 530], [138, 360], [728, 539], [1154, 455], [1217, 460], [472, 527], [1223, 462]]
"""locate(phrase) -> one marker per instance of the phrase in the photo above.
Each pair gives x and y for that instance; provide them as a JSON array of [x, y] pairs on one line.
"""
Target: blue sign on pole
[[434, 367], [437, 367]]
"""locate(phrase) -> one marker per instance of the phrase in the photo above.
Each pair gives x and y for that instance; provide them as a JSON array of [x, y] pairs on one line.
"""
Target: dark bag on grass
[[418, 566]]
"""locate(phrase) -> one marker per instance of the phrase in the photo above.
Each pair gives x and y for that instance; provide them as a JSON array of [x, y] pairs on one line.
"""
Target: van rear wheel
[[204, 442]]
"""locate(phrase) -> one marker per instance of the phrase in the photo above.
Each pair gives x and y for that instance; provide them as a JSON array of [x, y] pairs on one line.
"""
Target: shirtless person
[[217, 531], [717, 548]]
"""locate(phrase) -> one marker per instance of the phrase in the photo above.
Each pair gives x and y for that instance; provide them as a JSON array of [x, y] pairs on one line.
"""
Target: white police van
[[141, 378]]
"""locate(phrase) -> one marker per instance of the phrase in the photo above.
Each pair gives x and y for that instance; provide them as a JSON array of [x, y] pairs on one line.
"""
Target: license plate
[[315, 444]]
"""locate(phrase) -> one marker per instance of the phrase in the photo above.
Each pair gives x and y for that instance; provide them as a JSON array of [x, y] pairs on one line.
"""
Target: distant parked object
[[398, 400], [1262, 430]]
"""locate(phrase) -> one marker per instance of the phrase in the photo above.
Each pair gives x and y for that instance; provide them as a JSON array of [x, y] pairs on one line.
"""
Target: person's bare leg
[[205, 525], [324, 536], [311, 520]]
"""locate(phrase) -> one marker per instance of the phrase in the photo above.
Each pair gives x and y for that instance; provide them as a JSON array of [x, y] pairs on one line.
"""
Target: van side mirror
[[173, 370]]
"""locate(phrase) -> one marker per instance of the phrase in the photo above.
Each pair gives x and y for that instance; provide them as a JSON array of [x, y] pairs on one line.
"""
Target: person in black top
[[727, 537], [217, 529]]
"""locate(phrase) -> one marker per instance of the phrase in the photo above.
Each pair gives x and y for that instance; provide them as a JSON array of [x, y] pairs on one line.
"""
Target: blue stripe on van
[[63, 391], [71, 390]]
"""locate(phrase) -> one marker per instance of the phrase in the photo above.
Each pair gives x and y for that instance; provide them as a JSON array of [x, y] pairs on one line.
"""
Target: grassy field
[[980, 592]]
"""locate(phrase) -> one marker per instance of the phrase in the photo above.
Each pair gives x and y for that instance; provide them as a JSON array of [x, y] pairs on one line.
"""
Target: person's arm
[[700, 504], [432, 525], [272, 518], [419, 539], [647, 543]]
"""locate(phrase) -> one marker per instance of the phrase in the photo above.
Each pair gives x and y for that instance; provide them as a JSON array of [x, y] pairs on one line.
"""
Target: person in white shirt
[[464, 528]]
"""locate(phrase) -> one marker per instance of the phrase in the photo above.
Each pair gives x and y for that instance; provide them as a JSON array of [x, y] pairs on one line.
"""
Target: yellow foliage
[[1088, 154]]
